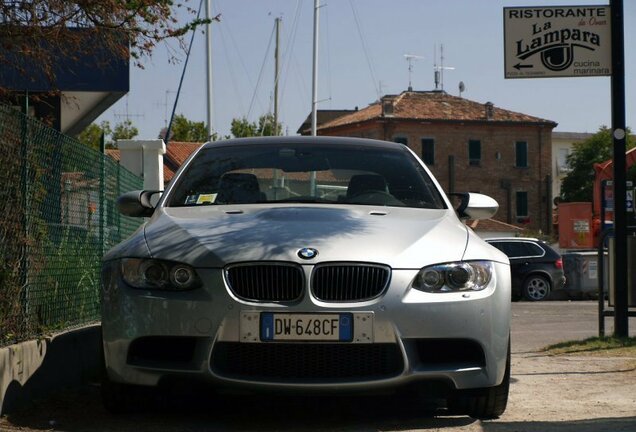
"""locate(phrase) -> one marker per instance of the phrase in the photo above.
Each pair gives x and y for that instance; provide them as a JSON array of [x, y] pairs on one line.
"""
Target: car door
[[519, 262]]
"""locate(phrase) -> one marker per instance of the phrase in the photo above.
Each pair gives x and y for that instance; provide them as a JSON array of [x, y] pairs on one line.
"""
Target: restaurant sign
[[559, 41]]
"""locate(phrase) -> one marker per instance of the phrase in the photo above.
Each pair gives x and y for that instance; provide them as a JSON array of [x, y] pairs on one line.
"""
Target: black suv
[[536, 268]]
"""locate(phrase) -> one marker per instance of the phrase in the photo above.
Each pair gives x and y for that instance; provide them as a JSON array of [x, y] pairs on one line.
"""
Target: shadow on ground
[[81, 410], [622, 424]]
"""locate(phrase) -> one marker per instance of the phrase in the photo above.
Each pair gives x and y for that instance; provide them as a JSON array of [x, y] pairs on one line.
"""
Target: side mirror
[[476, 206], [136, 203]]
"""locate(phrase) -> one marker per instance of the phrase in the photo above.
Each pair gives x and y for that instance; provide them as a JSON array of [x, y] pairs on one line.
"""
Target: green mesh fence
[[57, 220]]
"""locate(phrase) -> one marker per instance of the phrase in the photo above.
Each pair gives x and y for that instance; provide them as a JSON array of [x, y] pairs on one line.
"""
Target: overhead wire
[[185, 66], [233, 75], [364, 48], [288, 55], [246, 70], [260, 75]]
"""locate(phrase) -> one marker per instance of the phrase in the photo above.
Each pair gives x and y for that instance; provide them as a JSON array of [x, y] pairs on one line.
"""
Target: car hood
[[216, 236]]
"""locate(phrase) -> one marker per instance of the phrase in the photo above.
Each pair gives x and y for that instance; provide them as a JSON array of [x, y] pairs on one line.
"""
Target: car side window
[[519, 249], [499, 245], [515, 250], [534, 250]]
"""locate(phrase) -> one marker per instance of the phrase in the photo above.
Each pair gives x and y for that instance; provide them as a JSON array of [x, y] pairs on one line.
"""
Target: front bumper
[[457, 338]]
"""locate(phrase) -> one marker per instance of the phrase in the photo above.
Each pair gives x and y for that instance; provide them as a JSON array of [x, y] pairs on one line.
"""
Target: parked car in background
[[308, 264], [537, 269]]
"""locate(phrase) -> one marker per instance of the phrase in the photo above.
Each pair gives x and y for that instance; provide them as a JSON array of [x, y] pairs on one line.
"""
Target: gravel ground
[[548, 393]]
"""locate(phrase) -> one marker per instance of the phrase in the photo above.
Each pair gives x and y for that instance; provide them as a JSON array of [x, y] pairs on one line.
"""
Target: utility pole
[[208, 64], [621, 316], [276, 74]]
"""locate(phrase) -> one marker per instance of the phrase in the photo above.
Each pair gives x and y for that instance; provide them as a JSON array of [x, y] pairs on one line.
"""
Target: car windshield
[[305, 173]]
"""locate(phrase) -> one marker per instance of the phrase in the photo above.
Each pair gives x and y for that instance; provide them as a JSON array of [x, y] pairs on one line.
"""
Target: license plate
[[306, 327]]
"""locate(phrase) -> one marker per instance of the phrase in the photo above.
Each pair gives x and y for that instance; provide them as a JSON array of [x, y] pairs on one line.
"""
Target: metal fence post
[[102, 201], [24, 186]]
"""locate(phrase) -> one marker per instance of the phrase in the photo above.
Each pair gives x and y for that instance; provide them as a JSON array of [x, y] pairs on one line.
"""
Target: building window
[[563, 167], [428, 151], [401, 140], [474, 152], [522, 205], [521, 154]]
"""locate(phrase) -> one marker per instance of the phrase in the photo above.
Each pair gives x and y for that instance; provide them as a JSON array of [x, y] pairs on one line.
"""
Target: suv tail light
[[559, 263]]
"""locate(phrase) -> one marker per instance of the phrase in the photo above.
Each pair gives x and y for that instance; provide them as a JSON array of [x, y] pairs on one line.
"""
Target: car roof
[[308, 140]]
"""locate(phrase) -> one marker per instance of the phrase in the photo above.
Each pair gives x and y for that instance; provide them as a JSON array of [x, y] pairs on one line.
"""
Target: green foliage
[[92, 135], [186, 130], [124, 130], [594, 344], [266, 126], [578, 185], [65, 290], [242, 128]]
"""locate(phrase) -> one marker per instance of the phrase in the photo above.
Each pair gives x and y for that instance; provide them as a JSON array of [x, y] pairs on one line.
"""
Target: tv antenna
[[410, 58], [164, 104], [126, 114], [438, 70]]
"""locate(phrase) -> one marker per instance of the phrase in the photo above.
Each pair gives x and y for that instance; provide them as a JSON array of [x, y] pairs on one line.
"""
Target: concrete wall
[[37, 368]]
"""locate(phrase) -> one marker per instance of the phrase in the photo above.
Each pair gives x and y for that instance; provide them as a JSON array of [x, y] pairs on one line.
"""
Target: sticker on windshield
[[206, 198], [200, 199]]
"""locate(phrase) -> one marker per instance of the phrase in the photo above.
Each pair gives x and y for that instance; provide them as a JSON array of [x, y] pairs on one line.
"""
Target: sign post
[[580, 41], [621, 316]]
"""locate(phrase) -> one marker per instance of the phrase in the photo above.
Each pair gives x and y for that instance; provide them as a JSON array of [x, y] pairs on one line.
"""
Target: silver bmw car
[[308, 264]]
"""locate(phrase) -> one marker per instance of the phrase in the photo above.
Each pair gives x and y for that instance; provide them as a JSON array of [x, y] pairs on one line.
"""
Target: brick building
[[469, 146]]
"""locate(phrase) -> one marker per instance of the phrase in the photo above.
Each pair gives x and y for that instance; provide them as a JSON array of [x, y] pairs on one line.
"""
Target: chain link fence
[[57, 220]]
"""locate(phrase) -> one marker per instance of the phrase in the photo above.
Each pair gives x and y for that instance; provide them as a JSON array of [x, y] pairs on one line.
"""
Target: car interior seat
[[361, 183], [239, 188]]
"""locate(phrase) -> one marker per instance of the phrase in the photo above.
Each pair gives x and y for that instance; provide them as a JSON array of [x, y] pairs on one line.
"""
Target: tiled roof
[[323, 116], [114, 154], [180, 151], [176, 154], [571, 136], [433, 106]]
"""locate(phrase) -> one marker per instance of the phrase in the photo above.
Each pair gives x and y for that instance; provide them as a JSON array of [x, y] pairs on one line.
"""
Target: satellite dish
[[462, 88]]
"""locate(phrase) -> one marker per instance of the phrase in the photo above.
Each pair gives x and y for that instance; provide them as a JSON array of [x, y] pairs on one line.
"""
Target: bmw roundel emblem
[[307, 253]]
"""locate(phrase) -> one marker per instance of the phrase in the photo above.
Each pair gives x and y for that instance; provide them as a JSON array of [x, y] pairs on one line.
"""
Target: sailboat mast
[[314, 79], [276, 75], [208, 63]]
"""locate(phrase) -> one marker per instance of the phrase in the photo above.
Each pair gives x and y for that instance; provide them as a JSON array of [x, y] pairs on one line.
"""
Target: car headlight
[[142, 273], [453, 277]]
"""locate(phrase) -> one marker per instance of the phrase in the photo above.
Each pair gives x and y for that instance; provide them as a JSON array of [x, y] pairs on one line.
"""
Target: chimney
[[490, 110], [387, 106]]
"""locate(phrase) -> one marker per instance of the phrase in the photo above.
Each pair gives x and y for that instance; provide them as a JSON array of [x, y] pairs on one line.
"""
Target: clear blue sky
[[471, 32]]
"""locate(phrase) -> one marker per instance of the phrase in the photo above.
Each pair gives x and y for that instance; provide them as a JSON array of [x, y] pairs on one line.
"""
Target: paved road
[[548, 394], [536, 325]]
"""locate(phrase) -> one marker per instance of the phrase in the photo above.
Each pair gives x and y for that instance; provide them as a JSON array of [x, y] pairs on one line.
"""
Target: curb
[[37, 368]]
